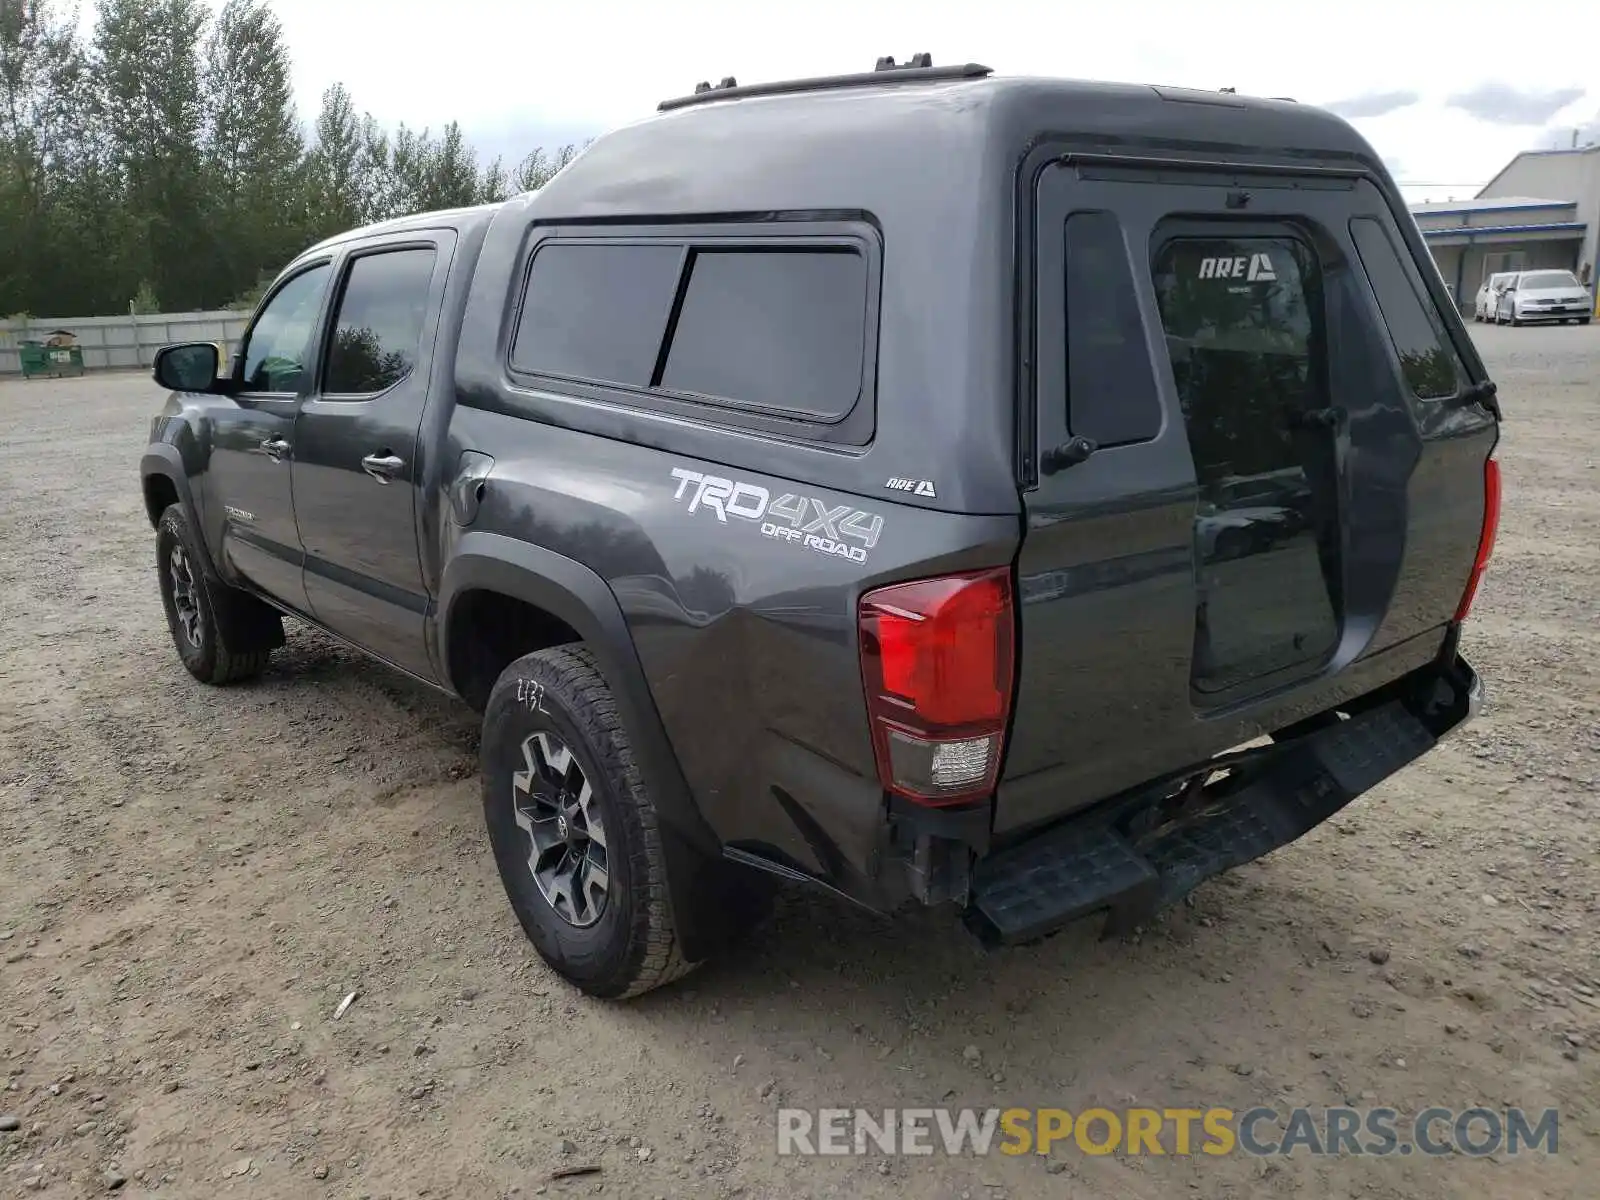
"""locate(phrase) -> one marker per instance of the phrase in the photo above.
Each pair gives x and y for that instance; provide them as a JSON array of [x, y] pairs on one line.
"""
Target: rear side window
[[596, 312], [1111, 387], [1427, 360], [775, 329], [379, 323], [766, 334]]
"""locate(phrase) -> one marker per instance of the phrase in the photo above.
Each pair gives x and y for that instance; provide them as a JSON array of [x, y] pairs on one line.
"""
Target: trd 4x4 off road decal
[[803, 520]]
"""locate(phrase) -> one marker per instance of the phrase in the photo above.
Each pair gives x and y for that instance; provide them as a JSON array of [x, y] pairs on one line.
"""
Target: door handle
[[275, 448], [382, 467]]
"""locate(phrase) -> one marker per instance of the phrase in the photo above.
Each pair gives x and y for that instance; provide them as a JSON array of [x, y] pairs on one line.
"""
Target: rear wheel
[[574, 830], [221, 634]]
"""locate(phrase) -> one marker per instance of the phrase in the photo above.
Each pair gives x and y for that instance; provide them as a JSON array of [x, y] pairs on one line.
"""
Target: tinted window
[[596, 312], [779, 329], [1245, 333], [1426, 359], [1240, 333], [380, 320], [1111, 389], [275, 355]]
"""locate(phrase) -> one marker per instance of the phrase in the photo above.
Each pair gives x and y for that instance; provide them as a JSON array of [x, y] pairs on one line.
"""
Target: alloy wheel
[[556, 808], [185, 595]]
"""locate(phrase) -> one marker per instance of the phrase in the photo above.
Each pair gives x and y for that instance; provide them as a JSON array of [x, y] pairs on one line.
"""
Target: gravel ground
[[191, 879]]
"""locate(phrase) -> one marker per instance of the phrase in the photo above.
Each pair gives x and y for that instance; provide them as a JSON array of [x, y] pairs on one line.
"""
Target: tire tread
[[594, 708]]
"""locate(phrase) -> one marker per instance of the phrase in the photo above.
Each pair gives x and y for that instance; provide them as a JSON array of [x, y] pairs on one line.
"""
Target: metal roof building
[[1541, 211]]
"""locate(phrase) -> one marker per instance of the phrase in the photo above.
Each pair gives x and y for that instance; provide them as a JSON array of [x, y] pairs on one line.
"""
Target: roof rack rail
[[918, 68]]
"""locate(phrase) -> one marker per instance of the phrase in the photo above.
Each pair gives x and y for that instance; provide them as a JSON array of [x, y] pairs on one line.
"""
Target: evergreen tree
[[252, 148], [335, 167], [147, 64], [162, 158]]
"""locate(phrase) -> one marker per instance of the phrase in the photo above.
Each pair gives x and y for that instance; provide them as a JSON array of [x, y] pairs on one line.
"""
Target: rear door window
[[1429, 363], [378, 330]]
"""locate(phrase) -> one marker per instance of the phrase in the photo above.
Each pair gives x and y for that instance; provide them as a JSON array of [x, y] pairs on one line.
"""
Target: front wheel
[[222, 635], [575, 833]]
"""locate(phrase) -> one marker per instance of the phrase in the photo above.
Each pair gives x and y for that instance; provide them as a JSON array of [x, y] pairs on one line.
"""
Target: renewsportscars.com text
[[1258, 1132]]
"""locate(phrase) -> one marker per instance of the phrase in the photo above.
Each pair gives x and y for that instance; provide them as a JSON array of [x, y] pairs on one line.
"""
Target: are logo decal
[[1252, 268], [802, 520], [917, 487]]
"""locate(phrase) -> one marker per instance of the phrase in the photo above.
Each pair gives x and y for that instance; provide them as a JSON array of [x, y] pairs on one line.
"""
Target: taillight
[[936, 658], [1491, 522]]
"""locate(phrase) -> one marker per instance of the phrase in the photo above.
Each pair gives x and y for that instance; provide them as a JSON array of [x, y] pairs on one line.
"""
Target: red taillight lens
[[1491, 523], [937, 660]]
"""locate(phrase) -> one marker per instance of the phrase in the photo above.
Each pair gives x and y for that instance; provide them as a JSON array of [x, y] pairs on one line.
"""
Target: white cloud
[[502, 67]]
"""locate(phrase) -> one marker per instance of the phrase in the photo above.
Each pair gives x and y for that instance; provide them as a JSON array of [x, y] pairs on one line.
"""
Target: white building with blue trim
[[1541, 211]]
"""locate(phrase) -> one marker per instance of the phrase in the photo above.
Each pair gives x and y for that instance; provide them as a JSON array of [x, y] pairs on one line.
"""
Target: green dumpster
[[38, 358]]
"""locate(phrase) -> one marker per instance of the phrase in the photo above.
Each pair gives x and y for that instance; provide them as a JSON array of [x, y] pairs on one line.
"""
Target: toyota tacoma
[[1023, 495]]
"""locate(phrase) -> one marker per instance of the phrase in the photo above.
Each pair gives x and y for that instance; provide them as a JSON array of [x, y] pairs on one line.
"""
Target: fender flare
[[166, 461], [583, 600]]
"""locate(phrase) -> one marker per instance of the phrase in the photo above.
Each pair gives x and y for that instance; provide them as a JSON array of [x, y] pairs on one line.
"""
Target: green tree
[[252, 149], [162, 156], [538, 168], [336, 167], [41, 68], [146, 61], [493, 185], [451, 172]]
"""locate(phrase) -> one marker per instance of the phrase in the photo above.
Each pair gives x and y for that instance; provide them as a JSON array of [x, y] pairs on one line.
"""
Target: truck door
[[356, 465], [1275, 481], [252, 443]]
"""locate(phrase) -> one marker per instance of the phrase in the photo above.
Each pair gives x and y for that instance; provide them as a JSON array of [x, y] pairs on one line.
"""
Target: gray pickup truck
[[1018, 494]]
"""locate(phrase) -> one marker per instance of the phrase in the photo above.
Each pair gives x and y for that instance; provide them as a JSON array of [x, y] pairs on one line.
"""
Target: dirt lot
[[191, 879]]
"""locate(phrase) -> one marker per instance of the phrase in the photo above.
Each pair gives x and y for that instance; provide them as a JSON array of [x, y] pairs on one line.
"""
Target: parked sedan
[[1544, 296], [1483, 306]]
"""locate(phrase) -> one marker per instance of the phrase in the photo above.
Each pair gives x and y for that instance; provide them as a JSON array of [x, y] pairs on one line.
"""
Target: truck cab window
[[379, 325], [275, 355]]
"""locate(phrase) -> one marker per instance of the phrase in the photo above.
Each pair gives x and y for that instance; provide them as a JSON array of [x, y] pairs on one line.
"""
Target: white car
[[1488, 297], [1544, 296]]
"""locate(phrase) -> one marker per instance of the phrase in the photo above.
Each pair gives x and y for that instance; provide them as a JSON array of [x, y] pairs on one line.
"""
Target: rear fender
[[572, 592]]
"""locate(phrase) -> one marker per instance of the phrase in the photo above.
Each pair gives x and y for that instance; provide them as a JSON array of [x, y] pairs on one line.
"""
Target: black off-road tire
[[235, 633], [632, 946]]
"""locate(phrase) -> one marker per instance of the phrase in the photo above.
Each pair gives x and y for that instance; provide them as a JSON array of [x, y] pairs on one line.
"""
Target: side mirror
[[188, 366]]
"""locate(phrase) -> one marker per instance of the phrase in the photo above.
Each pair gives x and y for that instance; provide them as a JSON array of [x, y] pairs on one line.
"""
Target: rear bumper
[[1117, 860]]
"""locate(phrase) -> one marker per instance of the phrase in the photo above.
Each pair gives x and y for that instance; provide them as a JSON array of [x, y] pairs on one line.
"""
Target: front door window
[[275, 353]]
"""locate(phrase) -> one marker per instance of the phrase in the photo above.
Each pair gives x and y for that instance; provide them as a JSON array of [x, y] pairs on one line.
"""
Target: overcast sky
[[1447, 92]]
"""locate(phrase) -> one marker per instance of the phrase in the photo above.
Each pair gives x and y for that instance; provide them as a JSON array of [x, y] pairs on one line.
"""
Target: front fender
[[161, 459], [571, 591]]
